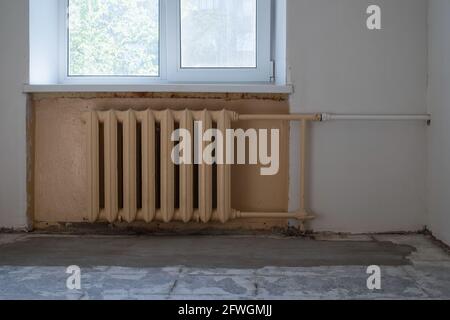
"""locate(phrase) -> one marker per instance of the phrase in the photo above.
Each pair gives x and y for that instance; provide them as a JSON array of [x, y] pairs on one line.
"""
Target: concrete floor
[[34, 266]]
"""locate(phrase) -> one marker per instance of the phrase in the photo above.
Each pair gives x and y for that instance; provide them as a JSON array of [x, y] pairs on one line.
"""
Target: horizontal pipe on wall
[[331, 116], [378, 117], [283, 117]]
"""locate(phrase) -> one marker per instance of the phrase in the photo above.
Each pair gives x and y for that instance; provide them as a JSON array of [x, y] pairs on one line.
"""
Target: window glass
[[218, 33], [113, 38]]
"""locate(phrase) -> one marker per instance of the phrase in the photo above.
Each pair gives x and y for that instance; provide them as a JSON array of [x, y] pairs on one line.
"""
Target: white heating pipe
[[393, 117]]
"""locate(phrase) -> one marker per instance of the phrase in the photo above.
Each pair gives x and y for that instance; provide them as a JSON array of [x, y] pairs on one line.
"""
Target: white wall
[[365, 176], [439, 106], [13, 73]]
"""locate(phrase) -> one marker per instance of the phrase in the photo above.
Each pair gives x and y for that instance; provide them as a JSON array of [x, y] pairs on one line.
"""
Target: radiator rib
[[111, 176], [129, 211], [93, 166], [186, 174], [147, 120], [167, 168], [223, 174], [205, 176]]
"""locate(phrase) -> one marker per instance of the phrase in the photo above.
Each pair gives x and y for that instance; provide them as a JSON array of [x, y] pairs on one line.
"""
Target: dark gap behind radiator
[[176, 176], [120, 165], [157, 165], [101, 165], [139, 166]]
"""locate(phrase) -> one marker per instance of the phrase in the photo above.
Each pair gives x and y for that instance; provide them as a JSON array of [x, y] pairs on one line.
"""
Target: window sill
[[172, 87]]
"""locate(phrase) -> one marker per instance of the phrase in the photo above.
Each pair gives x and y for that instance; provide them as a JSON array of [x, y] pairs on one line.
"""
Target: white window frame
[[170, 70]]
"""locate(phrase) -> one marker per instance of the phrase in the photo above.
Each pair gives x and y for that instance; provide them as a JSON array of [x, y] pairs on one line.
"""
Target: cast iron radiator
[[132, 176]]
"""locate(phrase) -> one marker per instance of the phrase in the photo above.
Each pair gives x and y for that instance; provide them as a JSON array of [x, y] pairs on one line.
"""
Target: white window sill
[[172, 87]]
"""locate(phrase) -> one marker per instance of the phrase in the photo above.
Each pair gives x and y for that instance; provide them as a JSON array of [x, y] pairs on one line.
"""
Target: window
[[123, 41]]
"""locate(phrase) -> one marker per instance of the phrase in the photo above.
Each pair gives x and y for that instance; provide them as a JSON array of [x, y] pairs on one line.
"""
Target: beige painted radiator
[[132, 176]]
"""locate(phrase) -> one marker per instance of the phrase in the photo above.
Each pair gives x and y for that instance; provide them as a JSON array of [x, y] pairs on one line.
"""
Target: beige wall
[[60, 136]]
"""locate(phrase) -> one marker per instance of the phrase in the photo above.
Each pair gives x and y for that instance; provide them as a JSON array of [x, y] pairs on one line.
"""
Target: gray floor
[[222, 267]]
